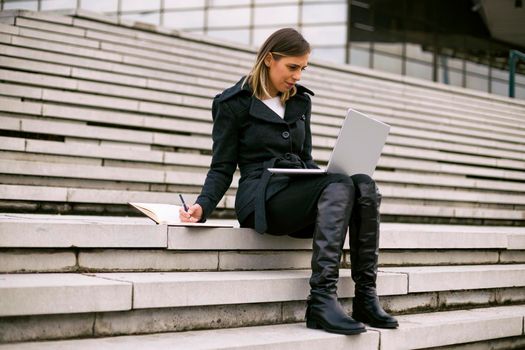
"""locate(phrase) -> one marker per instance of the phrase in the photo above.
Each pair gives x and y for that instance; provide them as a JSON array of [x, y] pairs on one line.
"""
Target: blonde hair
[[285, 42]]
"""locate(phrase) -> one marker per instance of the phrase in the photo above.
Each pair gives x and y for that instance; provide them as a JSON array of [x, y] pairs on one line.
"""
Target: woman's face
[[284, 71]]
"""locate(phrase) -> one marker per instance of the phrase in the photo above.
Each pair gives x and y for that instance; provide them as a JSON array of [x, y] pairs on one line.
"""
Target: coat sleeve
[[224, 159], [306, 153]]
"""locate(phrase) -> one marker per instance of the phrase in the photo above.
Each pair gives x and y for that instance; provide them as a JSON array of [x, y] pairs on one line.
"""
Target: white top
[[275, 105]]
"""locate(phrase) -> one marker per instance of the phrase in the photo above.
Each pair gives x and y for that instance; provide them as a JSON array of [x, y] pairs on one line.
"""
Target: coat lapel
[[296, 108], [261, 111]]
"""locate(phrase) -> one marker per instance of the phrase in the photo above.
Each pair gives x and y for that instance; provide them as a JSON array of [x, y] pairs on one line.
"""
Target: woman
[[263, 121]]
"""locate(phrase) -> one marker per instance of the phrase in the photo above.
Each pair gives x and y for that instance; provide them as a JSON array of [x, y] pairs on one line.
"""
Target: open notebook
[[168, 214]]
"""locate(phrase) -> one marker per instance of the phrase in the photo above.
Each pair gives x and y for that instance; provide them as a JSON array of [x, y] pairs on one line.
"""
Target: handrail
[[514, 57]]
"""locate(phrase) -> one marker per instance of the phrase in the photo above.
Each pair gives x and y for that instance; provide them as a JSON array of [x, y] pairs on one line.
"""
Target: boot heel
[[312, 324]]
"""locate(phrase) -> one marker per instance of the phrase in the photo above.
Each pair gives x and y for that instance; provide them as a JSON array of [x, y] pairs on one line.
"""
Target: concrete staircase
[[77, 277], [95, 113]]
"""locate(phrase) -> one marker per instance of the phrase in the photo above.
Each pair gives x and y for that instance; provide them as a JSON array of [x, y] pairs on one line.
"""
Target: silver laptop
[[357, 149]]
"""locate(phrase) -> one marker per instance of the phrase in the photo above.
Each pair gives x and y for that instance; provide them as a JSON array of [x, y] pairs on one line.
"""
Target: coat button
[[303, 117], [285, 135]]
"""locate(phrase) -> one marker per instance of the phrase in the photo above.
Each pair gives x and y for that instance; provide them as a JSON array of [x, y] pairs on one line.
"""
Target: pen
[[183, 202]]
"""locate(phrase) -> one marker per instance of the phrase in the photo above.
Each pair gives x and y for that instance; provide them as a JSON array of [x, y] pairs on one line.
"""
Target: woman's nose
[[297, 76]]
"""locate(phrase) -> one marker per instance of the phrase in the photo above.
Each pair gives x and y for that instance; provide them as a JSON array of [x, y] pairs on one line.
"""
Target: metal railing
[[514, 57]]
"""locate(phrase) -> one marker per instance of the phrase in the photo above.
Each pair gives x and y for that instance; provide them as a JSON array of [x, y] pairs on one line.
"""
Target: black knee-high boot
[[364, 252], [324, 310]]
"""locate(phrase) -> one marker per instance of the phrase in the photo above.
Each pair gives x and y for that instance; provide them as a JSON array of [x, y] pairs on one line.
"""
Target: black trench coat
[[248, 133]]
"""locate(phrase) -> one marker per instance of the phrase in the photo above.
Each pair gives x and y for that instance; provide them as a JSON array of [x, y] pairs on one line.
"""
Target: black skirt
[[293, 210]]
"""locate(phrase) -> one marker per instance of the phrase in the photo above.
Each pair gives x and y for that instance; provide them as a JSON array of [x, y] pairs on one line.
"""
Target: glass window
[[184, 19], [100, 5], [325, 35], [58, 4], [230, 2], [273, 15], [455, 63], [520, 91], [140, 5], [196, 31], [500, 87], [359, 57], [477, 68], [520, 79], [220, 18], [178, 4], [418, 70], [238, 36], [361, 45], [416, 52], [25, 5], [477, 82], [396, 48], [455, 77], [275, 2], [324, 13], [152, 18], [387, 63], [500, 74], [336, 54]]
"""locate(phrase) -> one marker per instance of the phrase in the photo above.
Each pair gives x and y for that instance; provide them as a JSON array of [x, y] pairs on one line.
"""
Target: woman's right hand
[[194, 213]]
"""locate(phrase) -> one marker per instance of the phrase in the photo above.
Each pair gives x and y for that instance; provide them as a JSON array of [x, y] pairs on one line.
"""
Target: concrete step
[[449, 278], [62, 293], [143, 153], [80, 130], [407, 154], [415, 332], [65, 293], [69, 244], [397, 155], [106, 172], [30, 260], [75, 195], [144, 174], [53, 231], [35, 294], [56, 259]]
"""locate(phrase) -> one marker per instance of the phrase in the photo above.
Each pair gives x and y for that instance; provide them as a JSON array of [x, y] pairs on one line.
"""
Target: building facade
[[438, 40]]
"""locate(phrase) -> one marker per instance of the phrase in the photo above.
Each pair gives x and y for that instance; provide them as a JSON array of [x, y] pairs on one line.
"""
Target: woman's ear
[[268, 59]]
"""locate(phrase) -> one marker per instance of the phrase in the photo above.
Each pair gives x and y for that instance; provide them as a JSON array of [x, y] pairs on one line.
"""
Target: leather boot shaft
[[364, 233], [334, 208], [364, 254]]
